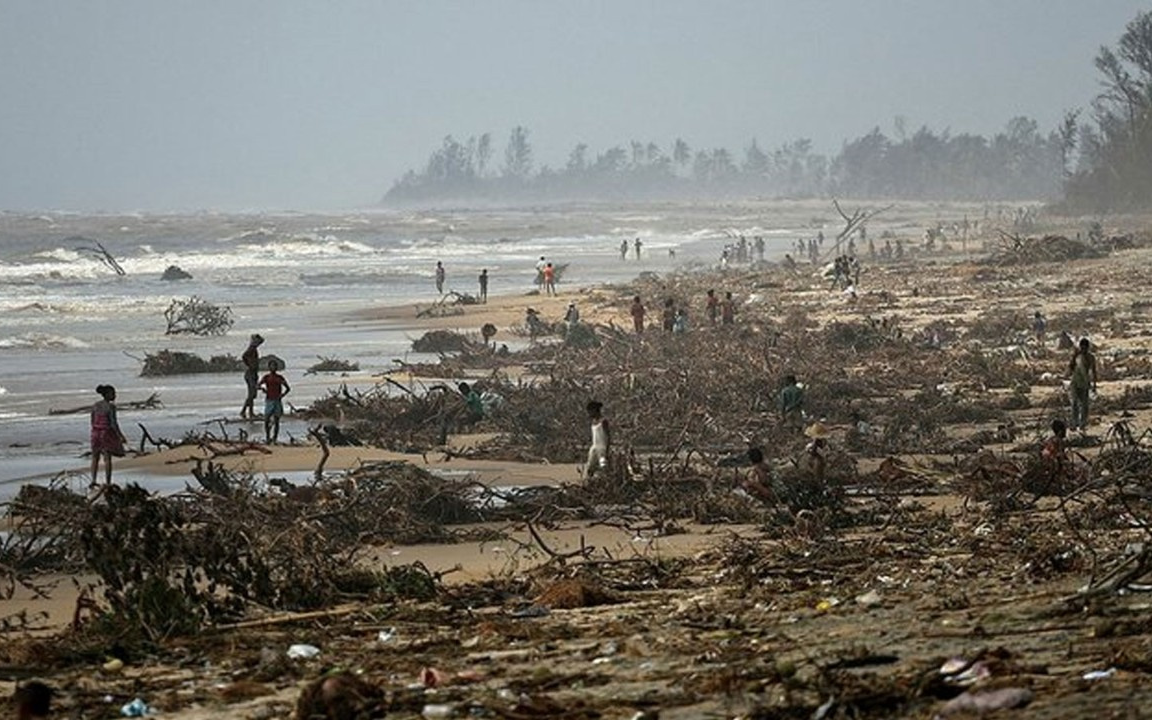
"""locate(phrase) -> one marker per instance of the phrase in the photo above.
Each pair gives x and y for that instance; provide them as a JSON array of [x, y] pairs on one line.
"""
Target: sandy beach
[[936, 395]]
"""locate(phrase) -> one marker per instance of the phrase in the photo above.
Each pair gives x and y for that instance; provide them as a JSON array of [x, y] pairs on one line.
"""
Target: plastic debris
[[113, 666], [431, 677], [136, 708], [437, 711], [386, 636], [303, 652], [869, 599], [531, 611], [1100, 674]]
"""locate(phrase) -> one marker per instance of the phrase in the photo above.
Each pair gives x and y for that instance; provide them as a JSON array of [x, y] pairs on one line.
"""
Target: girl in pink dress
[[107, 440]]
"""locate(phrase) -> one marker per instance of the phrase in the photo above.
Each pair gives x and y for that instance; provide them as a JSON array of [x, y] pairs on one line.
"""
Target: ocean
[[68, 322]]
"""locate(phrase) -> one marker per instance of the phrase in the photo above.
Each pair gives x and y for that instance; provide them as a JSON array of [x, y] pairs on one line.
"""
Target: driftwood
[[150, 403], [101, 253], [195, 316]]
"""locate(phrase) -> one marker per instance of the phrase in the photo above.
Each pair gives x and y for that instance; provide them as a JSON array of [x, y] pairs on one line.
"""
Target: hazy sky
[[285, 104]]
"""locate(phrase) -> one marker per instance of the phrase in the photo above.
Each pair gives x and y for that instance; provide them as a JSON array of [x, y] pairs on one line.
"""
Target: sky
[[160, 105]]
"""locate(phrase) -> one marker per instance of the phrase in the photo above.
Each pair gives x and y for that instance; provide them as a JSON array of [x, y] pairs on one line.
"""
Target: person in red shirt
[[275, 387], [549, 279]]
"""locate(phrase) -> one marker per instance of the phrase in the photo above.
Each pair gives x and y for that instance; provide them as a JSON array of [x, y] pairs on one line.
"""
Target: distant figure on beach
[[668, 316], [1052, 453], [484, 285], [712, 306], [572, 316], [680, 322], [107, 440], [472, 402], [759, 245], [624, 249], [540, 265], [439, 277], [275, 387], [727, 310], [758, 484], [814, 461], [549, 279], [791, 400], [601, 447], [637, 311], [251, 360], [638, 244], [1039, 327], [1082, 369]]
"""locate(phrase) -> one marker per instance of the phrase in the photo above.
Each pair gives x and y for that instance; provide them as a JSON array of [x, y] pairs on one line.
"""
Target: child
[[601, 440], [275, 387], [107, 440]]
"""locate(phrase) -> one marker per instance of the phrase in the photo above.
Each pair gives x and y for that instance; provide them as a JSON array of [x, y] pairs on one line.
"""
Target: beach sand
[[706, 643]]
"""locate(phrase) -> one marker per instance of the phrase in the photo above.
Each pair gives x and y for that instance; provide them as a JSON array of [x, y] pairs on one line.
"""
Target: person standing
[[549, 279], [1082, 368], [624, 249], [712, 305], [484, 286], [1040, 328], [440, 277], [599, 451], [791, 401], [638, 244], [728, 310], [107, 440], [251, 360], [668, 317], [540, 265], [637, 311], [572, 316], [275, 387]]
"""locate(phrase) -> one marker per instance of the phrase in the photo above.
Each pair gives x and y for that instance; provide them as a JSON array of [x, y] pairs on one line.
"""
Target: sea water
[[69, 322]]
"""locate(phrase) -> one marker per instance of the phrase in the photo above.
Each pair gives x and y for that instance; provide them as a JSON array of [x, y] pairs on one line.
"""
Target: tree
[[1117, 152], [483, 153], [518, 154], [578, 159], [755, 160], [681, 153]]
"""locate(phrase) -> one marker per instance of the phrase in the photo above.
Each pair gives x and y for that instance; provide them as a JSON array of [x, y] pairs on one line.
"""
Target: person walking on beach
[[668, 317], [107, 440], [484, 286], [624, 249], [637, 311], [540, 265], [601, 447], [728, 310], [440, 277], [275, 387], [791, 401], [712, 306], [1082, 369], [549, 279], [638, 244], [251, 360]]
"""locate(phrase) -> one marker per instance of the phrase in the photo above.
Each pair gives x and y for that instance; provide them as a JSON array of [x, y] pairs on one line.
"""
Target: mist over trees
[[1100, 164], [1115, 160], [1018, 163]]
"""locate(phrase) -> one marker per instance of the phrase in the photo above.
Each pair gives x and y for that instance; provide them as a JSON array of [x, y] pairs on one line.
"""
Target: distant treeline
[[1018, 163], [1101, 165]]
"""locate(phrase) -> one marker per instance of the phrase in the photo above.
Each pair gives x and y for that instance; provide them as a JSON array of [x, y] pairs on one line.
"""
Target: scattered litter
[[136, 708], [386, 636], [303, 652], [1100, 674], [437, 711], [869, 599]]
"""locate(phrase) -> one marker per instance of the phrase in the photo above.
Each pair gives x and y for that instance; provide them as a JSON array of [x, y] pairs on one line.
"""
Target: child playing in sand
[[107, 440], [601, 441], [275, 387]]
